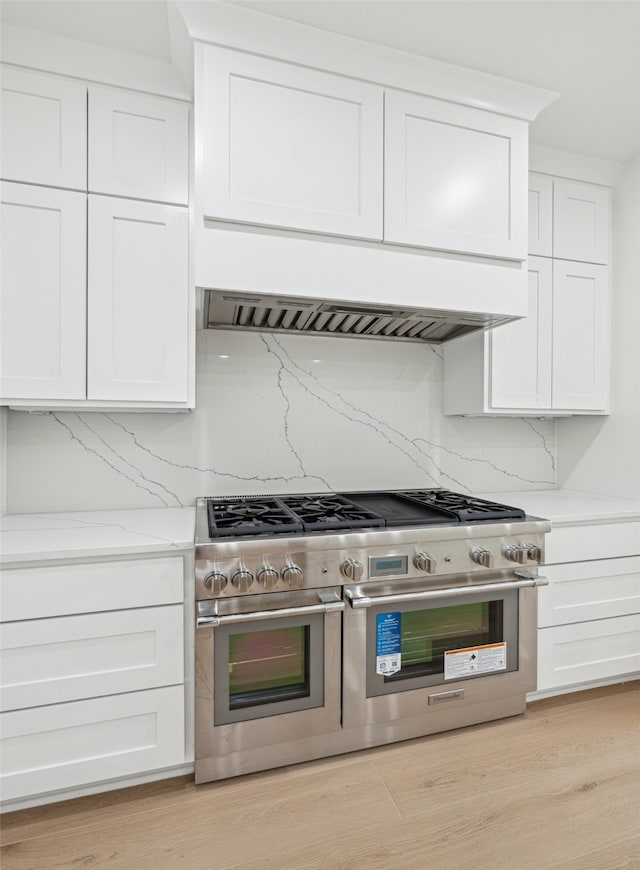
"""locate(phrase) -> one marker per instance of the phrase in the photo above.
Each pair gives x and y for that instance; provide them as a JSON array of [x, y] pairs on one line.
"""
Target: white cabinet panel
[[56, 590], [287, 146], [540, 214], [580, 336], [138, 146], [47, 661], [44, 129], [596, 650], [520, 361], [43, 294], [583, 591], [602, 541], [455, 177], [138, 301], [581, 221], [67, 745]]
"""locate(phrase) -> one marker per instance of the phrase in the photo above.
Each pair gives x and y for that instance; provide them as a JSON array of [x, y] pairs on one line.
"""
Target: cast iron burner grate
[[250, 516], [465, 508], [333, 512]]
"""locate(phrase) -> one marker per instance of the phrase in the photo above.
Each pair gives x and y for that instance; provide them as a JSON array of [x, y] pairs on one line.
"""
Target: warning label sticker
[[475, 660], [388, 658]]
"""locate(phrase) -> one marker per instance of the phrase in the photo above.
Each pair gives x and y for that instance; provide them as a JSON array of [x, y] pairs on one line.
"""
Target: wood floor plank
[[212, 833], [624, 855]]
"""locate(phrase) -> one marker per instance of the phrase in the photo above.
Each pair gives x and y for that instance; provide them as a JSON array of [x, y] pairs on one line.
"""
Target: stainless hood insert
[[258, 313]]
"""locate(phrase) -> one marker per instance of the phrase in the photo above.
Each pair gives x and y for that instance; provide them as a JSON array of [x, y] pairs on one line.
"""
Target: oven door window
[[426, 634], [268, 667]]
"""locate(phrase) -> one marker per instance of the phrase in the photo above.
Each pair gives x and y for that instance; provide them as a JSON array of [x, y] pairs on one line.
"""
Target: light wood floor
[[556, 788]]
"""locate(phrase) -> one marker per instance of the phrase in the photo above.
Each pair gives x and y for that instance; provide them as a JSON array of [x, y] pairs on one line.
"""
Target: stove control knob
[[425, 562], [516, 553], [215, 582], [292, 575], [242, 579], [352, 570], [267, 576], [482, 557], [534, 552]]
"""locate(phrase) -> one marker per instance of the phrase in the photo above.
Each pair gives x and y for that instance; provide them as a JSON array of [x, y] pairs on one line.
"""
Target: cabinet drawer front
[[582, 591], [48, 661], [580, 543], [44, 293], [44, 129], [455, 177], [288, 146], [60, 590], [69, 745], [138, 146], [571, 654]]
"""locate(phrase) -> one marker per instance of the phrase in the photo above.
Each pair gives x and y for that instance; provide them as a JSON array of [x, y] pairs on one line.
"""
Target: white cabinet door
[[520, 354], [580, 336], [287, 146], [48, 661], [43, 294], [138, 146], [44, 129], [82, 742], [455, 177], [540, 214], [137, 301], [581, 221], [596, 650]]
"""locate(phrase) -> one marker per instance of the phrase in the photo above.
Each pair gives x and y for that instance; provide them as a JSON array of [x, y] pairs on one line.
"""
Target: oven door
[[409, 647], [267, 673]]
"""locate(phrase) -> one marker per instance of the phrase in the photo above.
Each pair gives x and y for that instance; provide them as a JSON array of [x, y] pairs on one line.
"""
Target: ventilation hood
[[257, 280], [322, 317]]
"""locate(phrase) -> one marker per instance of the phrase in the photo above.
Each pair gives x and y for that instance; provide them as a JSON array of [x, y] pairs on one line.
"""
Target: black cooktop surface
[[330, 512]]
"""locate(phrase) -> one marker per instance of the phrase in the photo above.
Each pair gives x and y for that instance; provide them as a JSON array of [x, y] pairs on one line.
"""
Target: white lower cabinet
[[69, 745], [88, 697], [589, 614]]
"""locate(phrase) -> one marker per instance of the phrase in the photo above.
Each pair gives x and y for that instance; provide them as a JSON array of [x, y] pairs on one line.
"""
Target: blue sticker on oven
[[388, 658]]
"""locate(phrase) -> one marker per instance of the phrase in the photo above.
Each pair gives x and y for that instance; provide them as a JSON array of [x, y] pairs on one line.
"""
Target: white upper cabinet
[[580, 335], [540, 214], [44, 129], [43, 293], [455, 177], [138, 146], [521, 351], [138, 301], [581, 221], [286, 146]]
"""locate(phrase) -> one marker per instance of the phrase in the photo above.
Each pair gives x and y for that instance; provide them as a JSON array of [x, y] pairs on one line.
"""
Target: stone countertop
[[568, 508], [87, 534]]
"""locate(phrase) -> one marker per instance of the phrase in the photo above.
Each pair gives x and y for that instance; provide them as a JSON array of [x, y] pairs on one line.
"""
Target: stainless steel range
[[333, 622]]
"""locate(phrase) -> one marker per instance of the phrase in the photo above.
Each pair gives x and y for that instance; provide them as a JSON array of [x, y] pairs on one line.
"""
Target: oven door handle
[[356, 599], [209, 620]]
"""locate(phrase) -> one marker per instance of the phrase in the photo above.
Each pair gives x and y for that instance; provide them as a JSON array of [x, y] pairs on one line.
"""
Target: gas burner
[[465, 508], [332, 512], [251, 516]]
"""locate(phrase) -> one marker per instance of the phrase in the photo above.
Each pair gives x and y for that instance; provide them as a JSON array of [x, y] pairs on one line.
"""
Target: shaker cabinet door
[[138, 146], [455, 177], [580, 336], [43, 293], [44, 129], [581, 221], [287, 146], [137, 301], [521, 351], [540, 214]]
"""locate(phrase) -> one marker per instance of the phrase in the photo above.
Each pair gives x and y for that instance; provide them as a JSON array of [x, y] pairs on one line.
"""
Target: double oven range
[[327, 623]]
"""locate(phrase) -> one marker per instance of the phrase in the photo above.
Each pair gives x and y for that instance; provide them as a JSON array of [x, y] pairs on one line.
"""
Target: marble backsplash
[[277, 414]]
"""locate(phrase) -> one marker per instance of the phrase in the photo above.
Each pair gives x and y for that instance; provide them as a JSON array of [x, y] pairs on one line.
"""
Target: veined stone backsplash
[[277, 414]]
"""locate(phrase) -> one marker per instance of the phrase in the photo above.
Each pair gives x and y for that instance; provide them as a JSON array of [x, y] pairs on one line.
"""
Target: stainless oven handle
[[231, 619], [358, 600]]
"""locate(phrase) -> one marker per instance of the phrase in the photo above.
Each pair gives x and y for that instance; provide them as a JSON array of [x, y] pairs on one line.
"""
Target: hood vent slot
[[317, 317]]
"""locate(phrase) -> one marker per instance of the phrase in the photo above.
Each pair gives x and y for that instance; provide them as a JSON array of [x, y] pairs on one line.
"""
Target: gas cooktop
[[257, 516]]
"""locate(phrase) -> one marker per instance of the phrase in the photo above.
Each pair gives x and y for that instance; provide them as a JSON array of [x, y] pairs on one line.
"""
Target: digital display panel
[[384, 566]]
